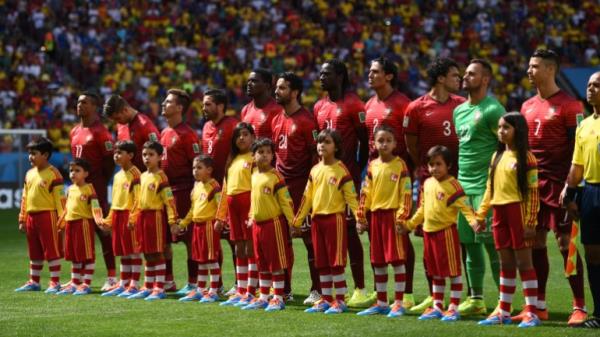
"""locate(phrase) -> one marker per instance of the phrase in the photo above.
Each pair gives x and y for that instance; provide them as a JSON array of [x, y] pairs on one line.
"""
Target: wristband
[[571, 194]]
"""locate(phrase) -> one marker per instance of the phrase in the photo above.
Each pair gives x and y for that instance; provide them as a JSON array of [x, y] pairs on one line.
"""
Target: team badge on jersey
[[196, 148], [152, 187], [108, 145], [173, 140], [203, 196], [43, 184], [126, 186], [394, 177], [247, 165], [266, 190], [338, 111], [362, 116], [551, 113], [83, 197], [332, 181], [152, 136], [292, 129], [512, 166], [440, 195], [388, 112]]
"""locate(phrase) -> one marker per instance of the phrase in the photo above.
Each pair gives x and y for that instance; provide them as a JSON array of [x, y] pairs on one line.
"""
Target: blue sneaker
[[451, 316], [67, 290], [142, 293], [337, 307], [246, 299], [29, 286], [193, 296], [375, 310], [53, 288], [275, 305], [209, 298], [156, 295], [232, 300], [114, 292], [128, 292], [83, 289], [320, 306], [496, 319], [186, 290], [430, 314], [256, 304], [529, 321], [397, 311]]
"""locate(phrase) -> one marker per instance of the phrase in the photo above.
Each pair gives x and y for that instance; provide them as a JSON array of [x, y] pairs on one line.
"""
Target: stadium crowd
[[50, 50]]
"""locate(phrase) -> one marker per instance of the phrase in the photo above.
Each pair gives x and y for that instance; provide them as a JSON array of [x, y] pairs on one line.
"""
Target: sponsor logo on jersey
[[428, 113]]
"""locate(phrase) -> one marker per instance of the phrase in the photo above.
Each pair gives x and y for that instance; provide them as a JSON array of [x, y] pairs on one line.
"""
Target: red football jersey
[[180, 146], [548, 121], [94, 144], [390, 112], [432, 123], [261, 118], [294, 138], [216, 142], [140, 130], [347, 116]]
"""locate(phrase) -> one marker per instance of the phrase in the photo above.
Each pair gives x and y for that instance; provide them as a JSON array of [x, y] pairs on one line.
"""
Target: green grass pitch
[[37, 314]]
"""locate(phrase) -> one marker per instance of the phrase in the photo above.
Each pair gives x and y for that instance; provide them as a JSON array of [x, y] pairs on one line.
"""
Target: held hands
[[362, 226], [401, 227], [219, 225], [478, 226], [296, 231], [529, 232]]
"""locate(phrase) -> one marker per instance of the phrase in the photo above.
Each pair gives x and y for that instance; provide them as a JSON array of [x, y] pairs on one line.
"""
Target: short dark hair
[[84, 164], [337, 140], [389, 68], [341, 70], [548, 55], [114, 104], [487, 67], [385, 128], [205, 159], [440, 150], [154, 145], [295, 83], [42, 144], [96, 99], [183, 98], [439, 67], [218, 96], [260, 142], [265, 75], [127, 146]]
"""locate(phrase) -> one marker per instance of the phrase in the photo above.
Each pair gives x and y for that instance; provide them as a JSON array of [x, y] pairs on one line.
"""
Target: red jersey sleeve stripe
[[344, 180], [458, 194]]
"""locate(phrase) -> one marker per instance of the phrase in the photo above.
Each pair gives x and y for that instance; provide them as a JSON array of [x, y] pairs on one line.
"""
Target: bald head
[[593, 91]]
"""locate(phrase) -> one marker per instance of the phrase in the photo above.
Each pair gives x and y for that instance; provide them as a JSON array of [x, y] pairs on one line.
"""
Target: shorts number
[[538, 123], [447, 128], [283, 142]]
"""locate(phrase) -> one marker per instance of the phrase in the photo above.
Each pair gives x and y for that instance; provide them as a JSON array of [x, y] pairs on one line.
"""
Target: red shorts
[[442, 252], [79, 240], [124, 239], [239, 206], [330, 240], [43, 240], [151, 230], [554, 218], [271, 244], [183, 204], [206, 242], [387, 246], [507, 227]]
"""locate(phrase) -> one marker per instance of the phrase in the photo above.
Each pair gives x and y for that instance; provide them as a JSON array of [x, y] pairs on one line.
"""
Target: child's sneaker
[[29, 286], [194, 295], [375, 309], [209, 298], [110, 283], [319, 306], [83, 289], [142, 293], [430, 314], [312, 298], [156, 295], [472, 307], [359, 299], [275, 305], [423, 306], [451, 316], [131, 290], [495, 319], [244, 301], [408, 301], [170, 286], [69, 289], [186, 290], [116, 291], [231, 292], [397, 310], [256, 304], [53, 288], [233, 299], [337, 307], [530, 320]]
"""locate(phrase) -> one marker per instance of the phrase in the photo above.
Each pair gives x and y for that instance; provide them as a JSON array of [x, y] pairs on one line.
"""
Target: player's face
[[283, 92], [438, 167], [77, 174], [150, 158], [200, 171], [328, 77], [506, 132], [377, 77], [473, 78], [255, 86], [263, 157], [593, 90], [244, 141], [210, 108], [452, 80], [37, 159], [385, 143], [120, 117], [85, 106], [170, 107], [539, 71], [326, 148], [121, 157]]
